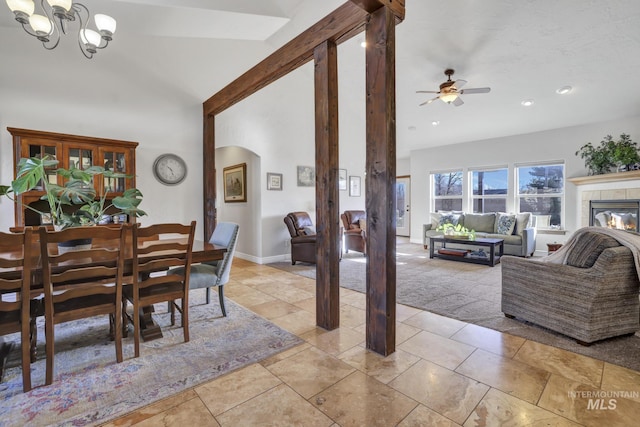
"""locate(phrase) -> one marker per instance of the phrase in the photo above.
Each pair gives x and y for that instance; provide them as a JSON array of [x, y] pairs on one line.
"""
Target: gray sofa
[[519, 237]]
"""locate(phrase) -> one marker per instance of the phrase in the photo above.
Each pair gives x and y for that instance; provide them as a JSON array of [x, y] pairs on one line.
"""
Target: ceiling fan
[[450, 90]]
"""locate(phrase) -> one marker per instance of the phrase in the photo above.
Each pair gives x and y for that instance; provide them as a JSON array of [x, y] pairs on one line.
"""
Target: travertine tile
[[152, 410], [570, 365], [308, 304], [403, 312], [285, 354], [500, 409], [403, 332], [435, 323], [272, 309], [510, 376], [310, 371], [355, 299], [359, 400], [617, 378], [336, 341], [297, 323], [488, 339], [352, 317], [279, 406], [446, 392], [232, 389], [383, 369], [192, 412], [423, 417], [587, 405], [250, 299], [441, 350]]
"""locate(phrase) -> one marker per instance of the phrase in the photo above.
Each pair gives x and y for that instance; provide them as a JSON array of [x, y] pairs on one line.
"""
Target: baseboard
[[267, 260]]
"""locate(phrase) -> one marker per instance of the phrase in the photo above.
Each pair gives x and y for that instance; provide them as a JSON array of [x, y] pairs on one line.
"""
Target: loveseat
[[515, 229]]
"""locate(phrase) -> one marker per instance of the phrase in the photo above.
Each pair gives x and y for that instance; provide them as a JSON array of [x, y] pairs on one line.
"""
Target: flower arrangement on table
[[457, 231]]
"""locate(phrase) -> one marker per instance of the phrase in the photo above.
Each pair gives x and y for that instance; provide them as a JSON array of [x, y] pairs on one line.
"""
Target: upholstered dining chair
[[157, 248], [83, 282], [18, 314], [212, 274]]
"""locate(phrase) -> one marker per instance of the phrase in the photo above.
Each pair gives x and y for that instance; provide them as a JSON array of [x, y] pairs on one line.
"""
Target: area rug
[[90, 388], [466, 292]]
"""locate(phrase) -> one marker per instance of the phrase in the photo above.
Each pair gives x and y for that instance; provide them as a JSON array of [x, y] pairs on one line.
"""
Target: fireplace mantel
[[607, 177]]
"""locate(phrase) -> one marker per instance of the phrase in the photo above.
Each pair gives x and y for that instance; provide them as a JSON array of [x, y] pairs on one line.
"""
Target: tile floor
[[444, 373]]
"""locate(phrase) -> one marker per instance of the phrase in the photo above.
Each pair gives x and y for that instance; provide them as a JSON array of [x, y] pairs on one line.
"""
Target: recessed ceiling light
[[435, 123], [564, 90], [527, 102]]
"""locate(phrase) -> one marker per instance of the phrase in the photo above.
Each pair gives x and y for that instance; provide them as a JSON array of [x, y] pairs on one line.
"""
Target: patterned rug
[[90, 388], [467, 292]]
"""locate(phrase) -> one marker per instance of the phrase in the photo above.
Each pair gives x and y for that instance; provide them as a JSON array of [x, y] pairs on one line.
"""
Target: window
[[490, 190], [447, 191], [541, 192]]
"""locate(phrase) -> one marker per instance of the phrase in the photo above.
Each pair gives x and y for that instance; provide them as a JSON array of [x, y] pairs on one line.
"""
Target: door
[[403, 206]]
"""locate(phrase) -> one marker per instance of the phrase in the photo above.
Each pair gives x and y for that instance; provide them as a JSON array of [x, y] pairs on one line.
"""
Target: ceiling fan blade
[[476, 90], [459, 83], [427, 91], [458, 102], [429, 101]]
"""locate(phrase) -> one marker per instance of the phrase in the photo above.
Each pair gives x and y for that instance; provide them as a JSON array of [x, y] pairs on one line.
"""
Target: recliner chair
[[303, 237], [354, 236]]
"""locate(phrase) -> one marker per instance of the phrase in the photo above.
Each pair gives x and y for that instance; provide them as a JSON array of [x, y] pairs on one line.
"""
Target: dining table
[[202, 252]]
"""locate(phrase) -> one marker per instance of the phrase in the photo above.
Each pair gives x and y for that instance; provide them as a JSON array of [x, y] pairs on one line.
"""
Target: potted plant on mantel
[[78, 190], [600, 159]]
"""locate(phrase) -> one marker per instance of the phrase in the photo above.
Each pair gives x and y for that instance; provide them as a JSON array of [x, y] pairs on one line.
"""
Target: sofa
[[303, 237], [515, 229], [588, 290], [354, 231]]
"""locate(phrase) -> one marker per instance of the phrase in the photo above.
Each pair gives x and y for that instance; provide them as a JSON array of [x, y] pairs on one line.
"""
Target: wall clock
[[170, 169]]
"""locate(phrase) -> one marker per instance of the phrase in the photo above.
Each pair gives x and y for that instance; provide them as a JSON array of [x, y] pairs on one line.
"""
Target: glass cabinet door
[[115, 162], [80, 158], [40, 151]]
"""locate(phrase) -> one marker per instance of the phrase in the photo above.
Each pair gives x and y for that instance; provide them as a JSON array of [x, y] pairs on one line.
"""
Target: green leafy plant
[[448, 229], [600, 159], [77, 190]]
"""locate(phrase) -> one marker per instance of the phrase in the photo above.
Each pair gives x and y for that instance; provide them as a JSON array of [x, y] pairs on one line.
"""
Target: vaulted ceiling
[[183, 51]]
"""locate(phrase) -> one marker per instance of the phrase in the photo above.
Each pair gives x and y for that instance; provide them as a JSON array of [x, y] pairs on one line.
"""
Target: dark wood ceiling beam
[[340, 25], [396, 6]]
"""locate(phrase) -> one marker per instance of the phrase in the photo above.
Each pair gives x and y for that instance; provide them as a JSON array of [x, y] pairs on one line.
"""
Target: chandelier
[[57, 14]]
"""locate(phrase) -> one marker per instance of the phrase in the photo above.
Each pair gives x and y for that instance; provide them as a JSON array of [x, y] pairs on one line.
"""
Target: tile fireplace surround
[[612, 186]]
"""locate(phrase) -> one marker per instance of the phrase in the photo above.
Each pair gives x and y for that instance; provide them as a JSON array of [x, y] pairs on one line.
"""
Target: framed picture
[[274, 181], [235, 183], [306, 176], [342, 179], [45, 219], [354, 186]]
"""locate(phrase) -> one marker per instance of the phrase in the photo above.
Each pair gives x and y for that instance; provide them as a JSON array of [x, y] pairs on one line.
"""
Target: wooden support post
[[380, 182], [327, 196], [209, 175]]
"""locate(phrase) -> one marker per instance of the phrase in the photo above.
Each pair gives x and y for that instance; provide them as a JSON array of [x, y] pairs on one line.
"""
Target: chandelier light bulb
[[64, 4], [105, 24], [91, 39], [40, 24], [22, 9]]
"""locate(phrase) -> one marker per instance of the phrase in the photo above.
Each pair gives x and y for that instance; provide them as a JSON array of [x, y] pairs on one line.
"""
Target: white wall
[[553, 145]]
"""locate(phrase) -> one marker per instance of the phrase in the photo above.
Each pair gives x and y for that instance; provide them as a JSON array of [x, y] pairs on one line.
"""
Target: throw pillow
[[435, 219], [363, 224], [506, 224], [449, 218], [522, 221]]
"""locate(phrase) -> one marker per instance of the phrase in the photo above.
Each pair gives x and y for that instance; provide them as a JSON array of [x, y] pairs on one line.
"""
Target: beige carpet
[[467, 292]]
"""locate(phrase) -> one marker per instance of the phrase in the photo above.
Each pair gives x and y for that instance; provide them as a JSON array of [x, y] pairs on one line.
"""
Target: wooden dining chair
[[82, 283], [157, 249], [17, 308]]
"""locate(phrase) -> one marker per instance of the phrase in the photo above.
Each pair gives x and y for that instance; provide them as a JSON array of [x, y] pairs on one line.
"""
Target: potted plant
[[600, 159], [78, 190]]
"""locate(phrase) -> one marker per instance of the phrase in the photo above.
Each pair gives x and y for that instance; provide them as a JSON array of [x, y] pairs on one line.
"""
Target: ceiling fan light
[[449, 97]]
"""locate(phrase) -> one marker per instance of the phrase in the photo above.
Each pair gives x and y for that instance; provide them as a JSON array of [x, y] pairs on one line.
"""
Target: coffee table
[[492, 244]]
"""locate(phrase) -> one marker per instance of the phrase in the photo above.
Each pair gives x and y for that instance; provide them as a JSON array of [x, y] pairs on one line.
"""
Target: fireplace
[[619, 214]]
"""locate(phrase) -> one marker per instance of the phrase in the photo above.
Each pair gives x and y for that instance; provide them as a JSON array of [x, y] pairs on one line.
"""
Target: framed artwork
[[354, 186], [235, 183], [342, 179], [274, 181], [306, 176]]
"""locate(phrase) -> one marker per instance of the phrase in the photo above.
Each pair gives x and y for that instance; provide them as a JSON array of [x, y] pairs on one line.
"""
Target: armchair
[[303, 237], [355, 237], [591, 295]]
